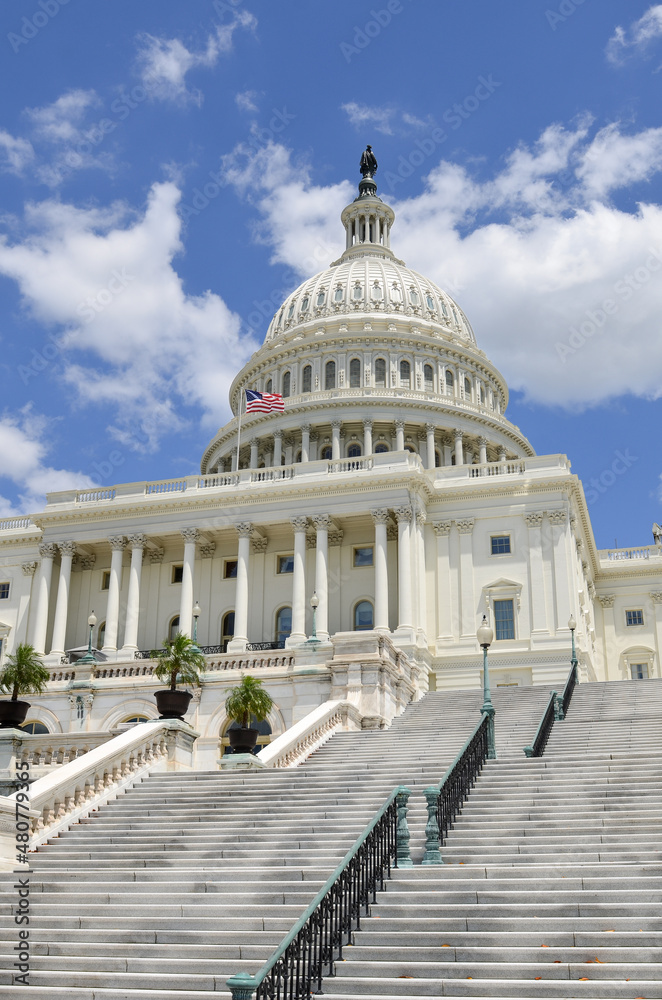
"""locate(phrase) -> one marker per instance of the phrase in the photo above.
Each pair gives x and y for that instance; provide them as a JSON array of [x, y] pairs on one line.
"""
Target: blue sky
[[169, 171]]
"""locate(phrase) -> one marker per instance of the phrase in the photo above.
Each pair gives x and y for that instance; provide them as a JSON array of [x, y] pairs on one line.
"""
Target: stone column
[[536, 572], [322, 523], [399, 435], [656, 598], [502, 454], [255, 445], [190, 536], [405, 612], [367, 437], [422, 623], [442, 530], [137, 544], [563, 583], [234, 467], [278, 448], [117, 544], [482, 450], [305, 442], [429, 432], [459, 452], [47, 551], [67, 552], [240, 639], [381, 518], [299, 582], [465, 528], [335, 438], [609, 633]]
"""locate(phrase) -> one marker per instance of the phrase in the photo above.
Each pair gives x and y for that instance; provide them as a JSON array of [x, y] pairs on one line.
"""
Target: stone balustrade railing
[[640, 552], [298, 742], [70, 792], [42, 751]]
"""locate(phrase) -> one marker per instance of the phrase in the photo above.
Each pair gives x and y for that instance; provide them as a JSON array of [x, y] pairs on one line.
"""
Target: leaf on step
[[537, 977], [583, 979], [544, 946], [557, 961], [609, 931], [445, 946], [406, 977]]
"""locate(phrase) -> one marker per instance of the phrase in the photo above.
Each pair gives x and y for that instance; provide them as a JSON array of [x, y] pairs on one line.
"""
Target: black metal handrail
[[539, 742], [316, 941], [255, 647], [570, 686]]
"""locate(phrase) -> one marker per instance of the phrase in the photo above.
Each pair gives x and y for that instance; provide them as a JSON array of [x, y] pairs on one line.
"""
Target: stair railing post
[[559, 714], [432, 854], [403, 855], [242, 986]]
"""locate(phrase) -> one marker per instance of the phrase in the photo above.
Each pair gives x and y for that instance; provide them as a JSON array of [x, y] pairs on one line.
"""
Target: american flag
[[263, 402]]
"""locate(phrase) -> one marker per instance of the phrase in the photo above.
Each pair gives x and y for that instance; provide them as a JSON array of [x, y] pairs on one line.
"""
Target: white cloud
[[361, 116], [637, 37], [134, 340], [23, 452], [60, 121], [246, 100], [531, 253], [72, 141], [15, 154]]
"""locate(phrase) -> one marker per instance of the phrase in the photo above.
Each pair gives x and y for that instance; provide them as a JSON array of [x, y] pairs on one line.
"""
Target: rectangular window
[[105, 580], [230, 569], [634, 617], [285, 564], [363, 556], [4, 591], [504, 619], [639, 671], [500, 545], [177, 574]]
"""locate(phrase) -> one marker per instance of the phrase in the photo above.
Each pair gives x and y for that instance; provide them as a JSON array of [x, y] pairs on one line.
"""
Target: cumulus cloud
[[130, 336], [15, 154], [555, 278], [64, 130], [23, 453], [637, 38], [363, 116]]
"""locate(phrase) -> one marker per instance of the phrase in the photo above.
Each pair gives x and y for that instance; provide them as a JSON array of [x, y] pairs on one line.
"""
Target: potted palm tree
[[24, 673], [179, 660], [244, 703]]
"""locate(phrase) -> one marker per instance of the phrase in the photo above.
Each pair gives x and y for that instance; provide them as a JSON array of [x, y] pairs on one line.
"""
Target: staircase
[[191, 877], [552, 885]]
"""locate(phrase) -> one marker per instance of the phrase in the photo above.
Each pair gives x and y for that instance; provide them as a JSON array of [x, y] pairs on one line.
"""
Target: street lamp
[[314, 603], [89, 656], [197, 610], [572, 625], [485, 635]]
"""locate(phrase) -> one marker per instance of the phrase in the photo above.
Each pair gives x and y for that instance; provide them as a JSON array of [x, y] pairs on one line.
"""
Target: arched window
[[354, 373], [297, 457], [287, 378], [363, 616], [380, 448], [134, 720], [410, 448], [354, 451], [327, 452], [450, 384], [34, 728], [414, 297], [173, 628], [307, 379], [380, 372], [101, 635], [405, 375], [330, 375], [269, 387], [338, 295], [263, 740], [227, 630], [428, 378], [467, 388], [437, 459], [283, 625]]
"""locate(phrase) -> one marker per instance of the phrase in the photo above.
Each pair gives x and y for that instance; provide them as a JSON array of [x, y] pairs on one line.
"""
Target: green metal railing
[[570, 685], [447, 798], [316, 941], [539, 742]]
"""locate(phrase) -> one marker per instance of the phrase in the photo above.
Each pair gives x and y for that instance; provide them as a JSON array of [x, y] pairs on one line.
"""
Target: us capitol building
[[393, 487]]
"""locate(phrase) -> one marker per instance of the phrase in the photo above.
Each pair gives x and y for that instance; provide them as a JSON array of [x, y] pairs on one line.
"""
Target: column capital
[[29, 568], [254, 442], [557, 516], [656, 596], [67, 548], [534, 519], [403, 514], [88, 561], [117, 543], [607, 600], [458, 434], [305, 428], [367, 423], [299, 523], [137, 541], [466, 525], [441, 527], [244, 529], [190, 535], [321, 521], [207, 549], [156, 555], [336, 424], [482, 441], [430, 428], [399, 425], [380, 516], [502, 454], [421, 517], [48, 550], [259, 543], [278, 434]]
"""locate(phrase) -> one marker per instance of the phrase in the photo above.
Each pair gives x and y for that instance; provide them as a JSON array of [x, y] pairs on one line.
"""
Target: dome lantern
[[367, 220]]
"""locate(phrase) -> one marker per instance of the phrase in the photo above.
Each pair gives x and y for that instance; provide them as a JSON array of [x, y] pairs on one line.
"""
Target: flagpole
[[241, 400]]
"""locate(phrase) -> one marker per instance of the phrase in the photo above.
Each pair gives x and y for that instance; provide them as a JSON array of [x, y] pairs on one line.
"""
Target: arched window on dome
[[428, 378], [377, 293], [467, 388], [405, 375], [410, 448], [321, 299], [355, 373], [450, 383], [363, 616], [269, 387], [307, 379], [290, 311], [438, 461], [283, 625], [287, 379], [354, 451], [381, 448], [297, 457], [305, 303], [414, 297], [481, 395], [330, 375], [101, 635], [380, 372], [227, 630], [339, 295], [396, 294], [357, 292], [326, 453], [429, 301]]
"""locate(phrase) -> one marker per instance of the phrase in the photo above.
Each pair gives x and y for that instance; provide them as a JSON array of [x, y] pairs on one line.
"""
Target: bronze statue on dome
[[368, 165]]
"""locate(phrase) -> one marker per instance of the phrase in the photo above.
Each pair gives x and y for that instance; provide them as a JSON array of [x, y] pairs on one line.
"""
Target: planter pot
[[172, 704], [13, 713], [243, 740]]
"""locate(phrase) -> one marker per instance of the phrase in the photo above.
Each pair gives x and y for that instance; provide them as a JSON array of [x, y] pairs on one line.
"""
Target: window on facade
[[354, 373], [467, 389], [101, 635], [4, 591], [287, 378], [449, 383], [177, 574], [174, 628], [105, 580], [380, 448], [500, 545], [363, 556], [414, 297], [230, 569], [285, 564], [34, 728], [330, 375], [321, 299], [354, 451], [305, 303], [307, 379], [269, 386], [437, 460], [639, 671], [504, 619], [134, 720], [283, 625], [363, 616], [634, 617], [405, 374], [380, 372], [227, 630], [430, 302], [326, 453], [338, 295], [290, 311], [428, 378]]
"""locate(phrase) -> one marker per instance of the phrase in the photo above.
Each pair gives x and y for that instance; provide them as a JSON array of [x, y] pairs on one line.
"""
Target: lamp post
[[314, 603], [197, 610], [572, 625], [89, 656], [485, 635]]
